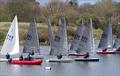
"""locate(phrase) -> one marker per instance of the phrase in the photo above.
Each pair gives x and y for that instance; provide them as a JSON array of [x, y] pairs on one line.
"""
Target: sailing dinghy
[[77, 37], [11, 43], [32, 41], [86, 44], [31, 44], [58, 42], [106, 40]]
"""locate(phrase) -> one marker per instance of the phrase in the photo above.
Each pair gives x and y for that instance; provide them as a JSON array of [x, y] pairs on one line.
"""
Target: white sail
[[32, 41], [106, 38], [60, 40], [86, 44], [77, 37], [11, 43], [117, 41]]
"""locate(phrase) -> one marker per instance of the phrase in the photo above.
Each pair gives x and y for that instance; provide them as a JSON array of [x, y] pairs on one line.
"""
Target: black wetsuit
[[59, 56], [86, 55], [21, 58], [7, 56]]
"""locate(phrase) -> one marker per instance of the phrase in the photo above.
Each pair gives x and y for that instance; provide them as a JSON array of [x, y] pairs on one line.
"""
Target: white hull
[[3, 60], [60, 60]]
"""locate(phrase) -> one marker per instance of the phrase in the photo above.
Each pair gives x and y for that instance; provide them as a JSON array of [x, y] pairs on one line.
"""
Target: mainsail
[[117, 41], [60, 40], [77, 37], [86, 44], [106, 38], [32, 41], [50, 34], [11, 43]]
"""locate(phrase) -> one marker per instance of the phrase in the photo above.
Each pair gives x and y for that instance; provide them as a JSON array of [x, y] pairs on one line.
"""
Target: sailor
[[86, 55], [105, 49], [29, 56], [32, 53], [7, 56], [21, 58], [59, 56]]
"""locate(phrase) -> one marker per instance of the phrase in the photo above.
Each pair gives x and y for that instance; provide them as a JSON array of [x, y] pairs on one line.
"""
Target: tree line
[[26, 9]]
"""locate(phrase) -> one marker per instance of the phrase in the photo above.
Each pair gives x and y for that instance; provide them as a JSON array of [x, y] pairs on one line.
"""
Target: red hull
[[27, 62], [76, 55], [107, 52]]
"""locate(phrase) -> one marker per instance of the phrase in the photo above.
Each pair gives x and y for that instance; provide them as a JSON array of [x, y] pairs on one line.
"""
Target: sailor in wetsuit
[[59, 56], [32, 53], [21, 58], [105, 49], [7, 56], [86, 55]]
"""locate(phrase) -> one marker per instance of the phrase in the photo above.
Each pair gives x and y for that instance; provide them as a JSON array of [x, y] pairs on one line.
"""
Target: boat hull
[[3, 60], [27, 62], [75, 54], [60, 60], [107, 52], [86, 59], [37, 57]]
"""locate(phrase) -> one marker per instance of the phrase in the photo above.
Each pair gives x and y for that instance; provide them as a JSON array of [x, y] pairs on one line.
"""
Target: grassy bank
[[42, 31]]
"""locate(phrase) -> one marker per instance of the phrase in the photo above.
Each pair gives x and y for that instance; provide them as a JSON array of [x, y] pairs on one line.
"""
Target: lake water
[[109, 65]]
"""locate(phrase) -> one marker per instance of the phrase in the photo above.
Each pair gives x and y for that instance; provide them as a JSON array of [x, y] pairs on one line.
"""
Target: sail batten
[[11, 43], [32, 41]]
